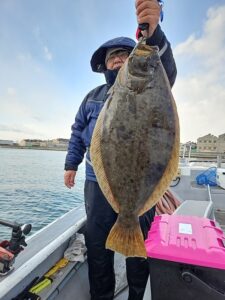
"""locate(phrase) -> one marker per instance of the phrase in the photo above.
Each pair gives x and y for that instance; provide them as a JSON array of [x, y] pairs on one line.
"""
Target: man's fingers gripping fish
[[135, 146]]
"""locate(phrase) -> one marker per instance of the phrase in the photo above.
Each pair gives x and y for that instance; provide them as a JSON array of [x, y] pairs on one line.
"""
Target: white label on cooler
[[185, 228]]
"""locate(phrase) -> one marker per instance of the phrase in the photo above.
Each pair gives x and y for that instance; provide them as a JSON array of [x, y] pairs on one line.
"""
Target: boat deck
[[78, 285]]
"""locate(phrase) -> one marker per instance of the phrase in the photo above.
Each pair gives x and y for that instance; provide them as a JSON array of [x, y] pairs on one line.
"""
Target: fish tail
[[126, 240]]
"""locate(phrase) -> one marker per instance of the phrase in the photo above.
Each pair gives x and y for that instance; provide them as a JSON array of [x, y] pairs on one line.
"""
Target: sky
[[45, 52]]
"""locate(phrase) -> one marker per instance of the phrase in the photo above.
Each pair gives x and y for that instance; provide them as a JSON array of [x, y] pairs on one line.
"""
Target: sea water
[[32, 188]]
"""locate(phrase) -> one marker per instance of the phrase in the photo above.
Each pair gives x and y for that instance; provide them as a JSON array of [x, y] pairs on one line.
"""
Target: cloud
[[9, 128], [19, 131], [24, 57], [47, 53], [40, 40], [11, 91], [200, 87], [32, 103]]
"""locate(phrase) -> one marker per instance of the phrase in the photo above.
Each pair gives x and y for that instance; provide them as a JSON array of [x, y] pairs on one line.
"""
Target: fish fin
[[126, 240], [170, 171], [96, 159]]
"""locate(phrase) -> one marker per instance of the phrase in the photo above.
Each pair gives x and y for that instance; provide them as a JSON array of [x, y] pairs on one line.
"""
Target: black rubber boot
[[100, 219]]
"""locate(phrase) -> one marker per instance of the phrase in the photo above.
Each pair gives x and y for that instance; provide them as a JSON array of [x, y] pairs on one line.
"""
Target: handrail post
[[219, 160]]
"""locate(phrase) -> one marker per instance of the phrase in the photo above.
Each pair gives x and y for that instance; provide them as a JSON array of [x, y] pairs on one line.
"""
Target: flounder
[[135, 146]]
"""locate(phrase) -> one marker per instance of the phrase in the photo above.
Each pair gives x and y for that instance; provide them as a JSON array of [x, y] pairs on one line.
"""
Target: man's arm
[[148, 11], [76, 148], [159, 39]]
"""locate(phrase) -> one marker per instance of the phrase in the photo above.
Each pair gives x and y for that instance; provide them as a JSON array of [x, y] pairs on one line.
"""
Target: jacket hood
[[98, 58]]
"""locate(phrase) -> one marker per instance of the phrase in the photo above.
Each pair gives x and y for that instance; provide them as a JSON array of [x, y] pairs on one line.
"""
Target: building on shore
[[61, 143], [207, 143], [185, 148], [211, 143], [221, 143], [58, 143], [30, 143], [6, 143]]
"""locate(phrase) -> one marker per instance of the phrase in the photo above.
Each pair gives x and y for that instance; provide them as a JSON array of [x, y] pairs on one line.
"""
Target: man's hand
[[69, 177], [148, 11]]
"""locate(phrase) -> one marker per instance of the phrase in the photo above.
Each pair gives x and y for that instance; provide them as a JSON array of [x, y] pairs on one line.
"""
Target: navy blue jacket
[[92, 104]]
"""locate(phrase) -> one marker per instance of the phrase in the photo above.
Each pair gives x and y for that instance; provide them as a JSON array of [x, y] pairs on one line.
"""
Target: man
[[108, 59]]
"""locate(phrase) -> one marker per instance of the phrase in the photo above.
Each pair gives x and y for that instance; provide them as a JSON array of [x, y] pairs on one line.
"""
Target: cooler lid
[[186, 239]]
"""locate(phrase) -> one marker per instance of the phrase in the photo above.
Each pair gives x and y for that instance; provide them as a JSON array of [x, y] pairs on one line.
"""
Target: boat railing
[[209, 208]]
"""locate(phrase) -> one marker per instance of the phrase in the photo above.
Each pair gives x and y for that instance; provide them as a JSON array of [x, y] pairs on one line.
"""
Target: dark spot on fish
[[130, 133], [132, 107], [122, 128], [122, 134], [155, 173], [160, 167]]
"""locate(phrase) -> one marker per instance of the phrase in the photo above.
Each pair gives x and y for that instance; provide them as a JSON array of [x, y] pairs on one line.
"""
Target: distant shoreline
[[194, 155], [33, 148]]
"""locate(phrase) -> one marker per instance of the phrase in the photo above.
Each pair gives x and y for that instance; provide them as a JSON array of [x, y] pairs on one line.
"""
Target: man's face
[[116, 59]]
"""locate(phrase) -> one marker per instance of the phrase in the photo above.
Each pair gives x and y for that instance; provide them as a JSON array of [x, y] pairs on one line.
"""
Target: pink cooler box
[[186, 258]]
